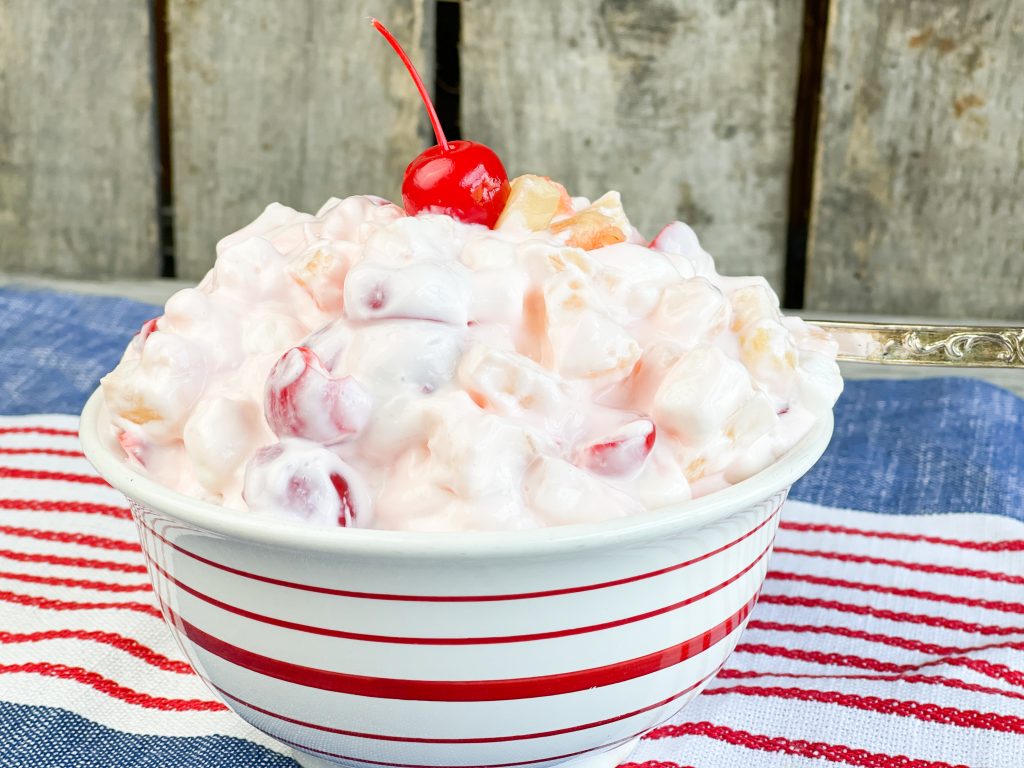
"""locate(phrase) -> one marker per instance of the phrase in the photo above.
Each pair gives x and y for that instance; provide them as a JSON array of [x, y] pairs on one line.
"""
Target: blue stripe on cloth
[[54, 347], [922, 446], [906, 447], [48, 737]]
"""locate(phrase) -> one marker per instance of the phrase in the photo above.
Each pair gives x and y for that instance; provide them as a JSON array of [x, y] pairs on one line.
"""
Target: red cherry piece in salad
[[300, 480], [133, 447], [622, 452], [463, 179], [347, 514], [147, 328], [304, 493], [304, 400]]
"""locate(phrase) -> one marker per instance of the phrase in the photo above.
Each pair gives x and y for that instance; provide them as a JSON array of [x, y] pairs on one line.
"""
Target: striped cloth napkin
[[889, 637]]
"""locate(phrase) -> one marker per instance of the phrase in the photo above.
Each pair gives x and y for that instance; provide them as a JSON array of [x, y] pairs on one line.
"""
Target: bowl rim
[[362, 542]]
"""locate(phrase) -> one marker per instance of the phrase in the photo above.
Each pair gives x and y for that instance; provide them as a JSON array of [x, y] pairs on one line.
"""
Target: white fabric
[[912, 659]]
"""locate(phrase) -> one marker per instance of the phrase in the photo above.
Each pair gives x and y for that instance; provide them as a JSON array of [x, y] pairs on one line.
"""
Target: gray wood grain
[[920, 173], [77, 154], [287, 102], [684, 106]]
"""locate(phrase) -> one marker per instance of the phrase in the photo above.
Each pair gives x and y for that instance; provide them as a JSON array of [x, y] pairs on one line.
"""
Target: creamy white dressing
[[464, 378]]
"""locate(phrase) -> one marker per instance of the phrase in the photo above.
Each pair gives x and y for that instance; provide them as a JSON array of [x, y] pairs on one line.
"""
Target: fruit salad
[[369, 368]]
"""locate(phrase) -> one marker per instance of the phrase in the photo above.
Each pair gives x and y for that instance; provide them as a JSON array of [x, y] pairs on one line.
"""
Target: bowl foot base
[[608, 759]]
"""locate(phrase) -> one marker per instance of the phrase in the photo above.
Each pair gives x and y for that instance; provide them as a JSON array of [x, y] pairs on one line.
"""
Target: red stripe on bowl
[[462, 690], [403, 640], [458, 598], [474, 740]]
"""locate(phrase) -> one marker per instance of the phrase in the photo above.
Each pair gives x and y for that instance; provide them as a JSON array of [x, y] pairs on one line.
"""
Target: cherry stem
[[431, 113]]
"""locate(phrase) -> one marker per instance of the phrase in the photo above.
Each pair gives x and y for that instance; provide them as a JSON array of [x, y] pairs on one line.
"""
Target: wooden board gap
[[447, 70], [805, 134], [164, 151]]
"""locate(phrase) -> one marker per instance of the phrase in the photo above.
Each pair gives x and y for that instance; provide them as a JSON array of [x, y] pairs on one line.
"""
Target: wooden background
[[913, 175]]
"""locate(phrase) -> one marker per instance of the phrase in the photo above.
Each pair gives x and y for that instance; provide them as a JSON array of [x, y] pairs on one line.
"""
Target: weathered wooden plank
[[920, 174], [77, 152], [684, 106], [287, 102]]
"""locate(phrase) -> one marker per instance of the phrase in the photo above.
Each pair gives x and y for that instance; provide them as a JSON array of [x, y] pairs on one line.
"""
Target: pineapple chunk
[[590, 229], [752, 304], [610, 204], [536, 200], [603, 223]]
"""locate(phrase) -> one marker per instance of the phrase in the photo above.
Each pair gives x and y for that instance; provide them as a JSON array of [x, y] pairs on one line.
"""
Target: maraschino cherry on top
[[463, 179]]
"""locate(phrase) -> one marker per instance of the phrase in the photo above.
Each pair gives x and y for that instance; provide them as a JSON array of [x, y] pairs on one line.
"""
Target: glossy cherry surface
[[467, 182], [463, 179]]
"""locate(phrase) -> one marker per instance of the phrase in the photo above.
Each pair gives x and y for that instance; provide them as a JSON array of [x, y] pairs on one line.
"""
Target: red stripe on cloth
[[113, 689], [85, 507], [1008, 545], [68, 537], [57, 581], [929, 713], [654, 764], [473, 740], [75, 605], [455, 598], [882, 613], [820, 657], [126, 644], [907, 643], [15, 473], [484, 640], [833, 753], [38, 431], [947, 570], [981, 666], [949, 682], [463, 690], [917, 594], [75, 562], [40, 451]]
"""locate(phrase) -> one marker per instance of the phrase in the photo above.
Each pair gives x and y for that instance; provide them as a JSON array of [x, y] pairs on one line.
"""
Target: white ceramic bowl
[[531, 648]]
